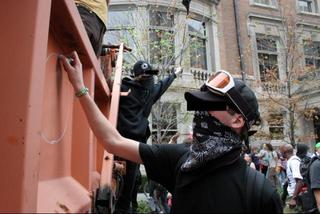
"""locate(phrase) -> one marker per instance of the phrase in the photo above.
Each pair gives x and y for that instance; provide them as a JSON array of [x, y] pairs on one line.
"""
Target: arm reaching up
[[110, 138]]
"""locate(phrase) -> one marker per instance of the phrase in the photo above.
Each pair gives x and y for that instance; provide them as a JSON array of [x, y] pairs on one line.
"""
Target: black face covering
[[212, 140], [147, 82]]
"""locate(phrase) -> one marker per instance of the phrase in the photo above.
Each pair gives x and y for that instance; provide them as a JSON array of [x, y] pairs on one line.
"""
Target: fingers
[[73, 67], [75, 56], [65, 62], [71, 62]]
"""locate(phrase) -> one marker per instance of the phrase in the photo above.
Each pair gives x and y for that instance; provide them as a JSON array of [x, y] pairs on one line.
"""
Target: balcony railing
[[274, 88], [199, 74]]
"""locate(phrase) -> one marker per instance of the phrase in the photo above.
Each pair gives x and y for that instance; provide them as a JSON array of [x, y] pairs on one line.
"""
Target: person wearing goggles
[[222, 90], [209, 169]]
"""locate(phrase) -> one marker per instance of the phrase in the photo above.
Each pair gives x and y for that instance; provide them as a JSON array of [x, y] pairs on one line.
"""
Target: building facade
[[273, 45], [161, 32]]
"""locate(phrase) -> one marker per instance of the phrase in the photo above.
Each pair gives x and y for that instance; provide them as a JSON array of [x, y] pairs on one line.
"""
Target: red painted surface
[[50, 160]]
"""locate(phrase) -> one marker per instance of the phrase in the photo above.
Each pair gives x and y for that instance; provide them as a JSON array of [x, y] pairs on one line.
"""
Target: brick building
[[279, 45], [276, 39]]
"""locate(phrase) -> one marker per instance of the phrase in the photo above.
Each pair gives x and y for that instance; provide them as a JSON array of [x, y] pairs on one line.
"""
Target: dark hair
[[269, 146], [302, 150]]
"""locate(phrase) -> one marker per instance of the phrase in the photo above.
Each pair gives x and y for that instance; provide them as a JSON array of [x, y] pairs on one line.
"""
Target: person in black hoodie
[[133, 123]]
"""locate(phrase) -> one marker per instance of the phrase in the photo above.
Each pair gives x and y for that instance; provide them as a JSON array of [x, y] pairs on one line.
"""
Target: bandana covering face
[[212, 140], [147, 82]]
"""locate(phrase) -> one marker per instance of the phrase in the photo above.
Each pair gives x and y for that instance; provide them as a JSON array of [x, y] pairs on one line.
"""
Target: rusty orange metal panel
[[24, 35], [107, 165], [47, 149]]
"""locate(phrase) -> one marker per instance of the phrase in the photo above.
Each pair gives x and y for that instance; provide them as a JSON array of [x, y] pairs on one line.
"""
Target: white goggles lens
[[220, 82]]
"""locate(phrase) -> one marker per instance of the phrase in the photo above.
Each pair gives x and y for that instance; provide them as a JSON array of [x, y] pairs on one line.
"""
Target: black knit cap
[[142, 67], [205, 100]]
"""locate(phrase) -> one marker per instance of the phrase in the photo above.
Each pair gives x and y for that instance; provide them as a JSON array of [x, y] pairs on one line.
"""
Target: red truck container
[[50, 159]]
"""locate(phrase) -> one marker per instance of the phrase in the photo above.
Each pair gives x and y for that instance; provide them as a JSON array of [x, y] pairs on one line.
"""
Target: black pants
[[94, 26], [264, 169], [125, 196], [134, 199]]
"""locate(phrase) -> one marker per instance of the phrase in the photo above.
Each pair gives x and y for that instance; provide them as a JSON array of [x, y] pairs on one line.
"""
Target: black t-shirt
[[205, 190], [315, 174]]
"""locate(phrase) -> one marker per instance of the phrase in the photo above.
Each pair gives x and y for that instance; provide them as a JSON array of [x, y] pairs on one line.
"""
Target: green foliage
[[143, 207], [144, 180]]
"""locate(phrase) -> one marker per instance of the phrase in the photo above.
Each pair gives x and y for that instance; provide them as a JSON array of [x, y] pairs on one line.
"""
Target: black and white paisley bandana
[[212, 140]]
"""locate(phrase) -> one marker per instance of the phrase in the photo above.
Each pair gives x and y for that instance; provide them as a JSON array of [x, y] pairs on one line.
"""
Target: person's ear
[[237, 121]]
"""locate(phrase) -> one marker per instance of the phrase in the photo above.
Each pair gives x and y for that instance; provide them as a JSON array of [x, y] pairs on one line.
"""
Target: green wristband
[[82, 92]]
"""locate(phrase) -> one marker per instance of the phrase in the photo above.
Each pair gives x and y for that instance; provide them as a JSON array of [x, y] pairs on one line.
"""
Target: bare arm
[[297, 189], [110, 138]]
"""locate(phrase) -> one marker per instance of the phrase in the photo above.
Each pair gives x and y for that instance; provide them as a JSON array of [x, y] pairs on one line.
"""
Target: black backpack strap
[[309, 165], [254, 187]]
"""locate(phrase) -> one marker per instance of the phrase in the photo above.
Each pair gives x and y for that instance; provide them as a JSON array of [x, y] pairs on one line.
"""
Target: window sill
[[308, 14], [264, 6]]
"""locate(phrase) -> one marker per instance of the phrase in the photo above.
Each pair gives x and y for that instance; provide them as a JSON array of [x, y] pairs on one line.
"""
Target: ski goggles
[[223, 84]]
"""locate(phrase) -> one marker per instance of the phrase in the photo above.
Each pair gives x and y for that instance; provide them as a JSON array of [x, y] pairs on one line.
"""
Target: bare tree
[[156, 39], [283, 92]]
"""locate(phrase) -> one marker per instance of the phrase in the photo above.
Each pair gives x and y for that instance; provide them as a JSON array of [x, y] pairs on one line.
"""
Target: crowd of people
[[291, 171]]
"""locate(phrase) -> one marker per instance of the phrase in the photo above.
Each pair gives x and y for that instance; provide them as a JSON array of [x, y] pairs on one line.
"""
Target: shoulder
[[127, 81], [315, 163], [294, 160]]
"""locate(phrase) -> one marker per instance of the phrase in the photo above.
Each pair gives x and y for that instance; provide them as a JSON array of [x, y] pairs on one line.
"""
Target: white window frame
[[122, 28], [273, 4], [314, 7], [268, 53], [312, 57], [203, 38], [276, 125], [161, 28]]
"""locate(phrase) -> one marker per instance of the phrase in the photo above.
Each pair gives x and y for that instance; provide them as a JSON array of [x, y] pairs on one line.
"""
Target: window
[[120, 28], [163, 19], [276, 126], [120, 18], [267, 57], [305, 5], [161, 37], [316, 123], [312, 55], [164, 122], [308, 6], [197, 40], [268, 3]]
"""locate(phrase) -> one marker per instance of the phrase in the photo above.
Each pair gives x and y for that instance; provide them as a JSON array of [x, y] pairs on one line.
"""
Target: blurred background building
[[273, 45]]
